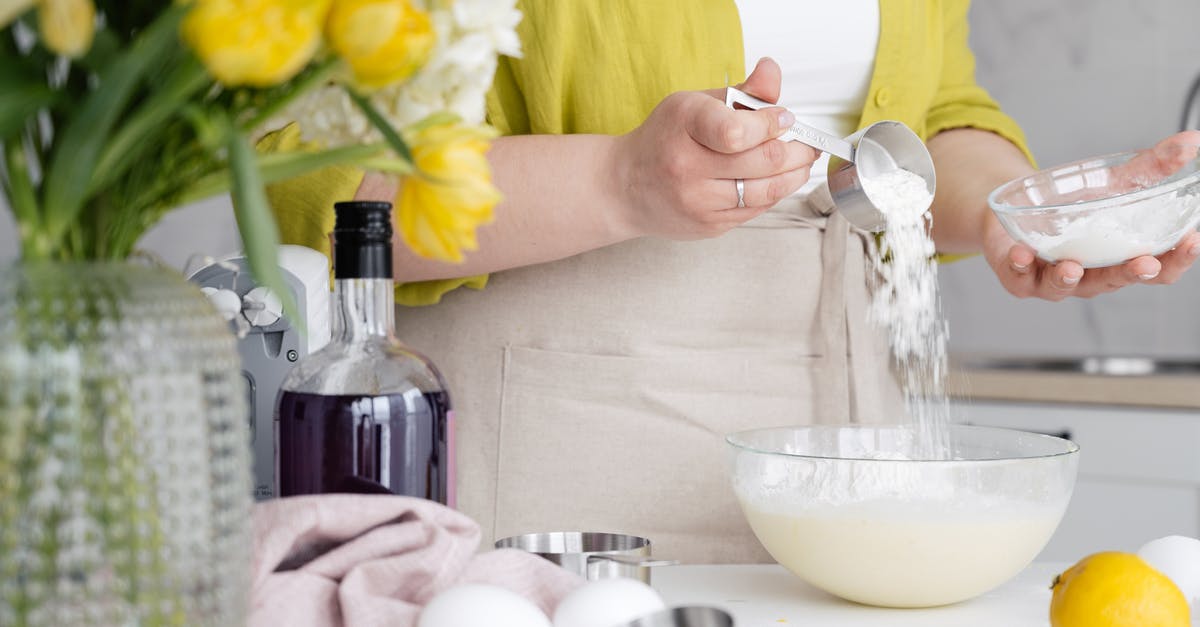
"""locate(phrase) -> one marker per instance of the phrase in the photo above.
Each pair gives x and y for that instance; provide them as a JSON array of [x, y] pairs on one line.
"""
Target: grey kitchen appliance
[[268, 342]]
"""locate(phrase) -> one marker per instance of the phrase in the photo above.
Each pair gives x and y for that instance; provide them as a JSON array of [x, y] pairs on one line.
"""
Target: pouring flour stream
[[882, 180]]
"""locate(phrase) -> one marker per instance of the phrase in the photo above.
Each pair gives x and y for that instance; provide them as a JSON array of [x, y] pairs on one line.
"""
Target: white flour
[[1150, 227], [907, 306]]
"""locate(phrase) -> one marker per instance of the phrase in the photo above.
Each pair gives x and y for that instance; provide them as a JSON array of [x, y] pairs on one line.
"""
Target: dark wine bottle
[[365, 414]]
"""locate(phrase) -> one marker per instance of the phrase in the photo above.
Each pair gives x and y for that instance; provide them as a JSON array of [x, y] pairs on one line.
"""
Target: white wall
[[1083, 78]]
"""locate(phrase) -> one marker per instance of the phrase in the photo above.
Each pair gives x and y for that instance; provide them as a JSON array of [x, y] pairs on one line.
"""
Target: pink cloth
[[362, 561]]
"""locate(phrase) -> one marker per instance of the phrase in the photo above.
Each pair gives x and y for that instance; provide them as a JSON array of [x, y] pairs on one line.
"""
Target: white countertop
[[769, 596]]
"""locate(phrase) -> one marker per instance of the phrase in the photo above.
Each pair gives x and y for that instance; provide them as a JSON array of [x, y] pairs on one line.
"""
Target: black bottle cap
[[362, 240]]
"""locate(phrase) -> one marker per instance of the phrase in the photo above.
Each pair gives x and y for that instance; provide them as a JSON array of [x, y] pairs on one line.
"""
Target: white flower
[[470, 36]]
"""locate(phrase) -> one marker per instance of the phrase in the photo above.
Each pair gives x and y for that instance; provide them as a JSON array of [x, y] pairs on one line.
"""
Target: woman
[[636, 311]]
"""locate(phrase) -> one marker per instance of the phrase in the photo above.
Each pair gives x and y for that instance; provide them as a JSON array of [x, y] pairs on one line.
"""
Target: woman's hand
[[1023, 275], [676, 173], [673, 176]]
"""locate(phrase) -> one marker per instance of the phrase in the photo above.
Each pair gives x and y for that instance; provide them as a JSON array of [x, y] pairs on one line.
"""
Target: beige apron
[[594, 393]]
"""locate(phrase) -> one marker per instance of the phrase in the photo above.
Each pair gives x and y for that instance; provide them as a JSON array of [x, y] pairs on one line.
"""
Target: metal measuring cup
[[877, 149], [591, 555], [693, 616]]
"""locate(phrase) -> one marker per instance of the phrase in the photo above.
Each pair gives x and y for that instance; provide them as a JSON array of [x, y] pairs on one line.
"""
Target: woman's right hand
[[676, 173]]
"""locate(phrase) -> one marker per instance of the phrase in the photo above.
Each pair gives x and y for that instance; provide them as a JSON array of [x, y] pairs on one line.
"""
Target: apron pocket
[[636, 444]]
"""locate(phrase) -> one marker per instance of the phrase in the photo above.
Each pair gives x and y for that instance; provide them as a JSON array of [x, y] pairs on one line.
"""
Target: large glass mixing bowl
[[1102, 211], [851, 511]]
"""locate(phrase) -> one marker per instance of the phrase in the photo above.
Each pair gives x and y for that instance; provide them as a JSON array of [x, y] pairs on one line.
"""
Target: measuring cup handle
[[632, 560], [801, 132]]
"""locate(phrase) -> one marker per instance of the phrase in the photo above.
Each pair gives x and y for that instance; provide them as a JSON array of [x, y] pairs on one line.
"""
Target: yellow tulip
[[67, 26], [383, 41], [451, 194], [255, 42]]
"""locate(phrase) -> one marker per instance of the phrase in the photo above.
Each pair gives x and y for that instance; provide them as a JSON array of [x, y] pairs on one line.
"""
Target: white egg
[[480, 605], [1177, 557], [607, 603]]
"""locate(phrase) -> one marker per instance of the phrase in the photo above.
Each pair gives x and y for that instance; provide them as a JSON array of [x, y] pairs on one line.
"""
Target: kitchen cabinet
[[1139, 470]]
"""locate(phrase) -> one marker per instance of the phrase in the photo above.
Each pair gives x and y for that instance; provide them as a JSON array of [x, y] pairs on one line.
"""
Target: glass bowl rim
[[1071, 448], [1167, 185]]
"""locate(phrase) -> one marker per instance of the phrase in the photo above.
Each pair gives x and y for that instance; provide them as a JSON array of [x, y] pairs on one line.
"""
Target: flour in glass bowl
[[1118, 233], [906, 304]]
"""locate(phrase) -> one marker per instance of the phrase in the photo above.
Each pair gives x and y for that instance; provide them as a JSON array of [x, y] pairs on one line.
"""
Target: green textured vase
[[124, 451]]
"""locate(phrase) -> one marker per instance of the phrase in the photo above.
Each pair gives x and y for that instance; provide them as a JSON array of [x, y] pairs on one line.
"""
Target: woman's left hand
[[1026, 276]]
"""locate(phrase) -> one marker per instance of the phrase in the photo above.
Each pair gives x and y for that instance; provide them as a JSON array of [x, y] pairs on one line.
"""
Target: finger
[[765, 81], [719, 128], [1175, 151], [1160, 161], [766, 159], [1178, 260], [1141, 269], [761, 192], [1021, 259], [1098, 281], [1016, 271], [1060, 280]]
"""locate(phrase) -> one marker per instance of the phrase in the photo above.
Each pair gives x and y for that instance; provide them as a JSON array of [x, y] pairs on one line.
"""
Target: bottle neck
[[362, 309]]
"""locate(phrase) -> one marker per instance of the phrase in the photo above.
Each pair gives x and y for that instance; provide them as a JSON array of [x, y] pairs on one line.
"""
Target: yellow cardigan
[[600, 66]]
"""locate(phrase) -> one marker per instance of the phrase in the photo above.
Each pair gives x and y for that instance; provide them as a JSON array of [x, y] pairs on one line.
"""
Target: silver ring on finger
[[741, 191]]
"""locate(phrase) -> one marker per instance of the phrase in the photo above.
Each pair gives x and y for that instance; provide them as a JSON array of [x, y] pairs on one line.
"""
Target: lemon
[[1114, 589]]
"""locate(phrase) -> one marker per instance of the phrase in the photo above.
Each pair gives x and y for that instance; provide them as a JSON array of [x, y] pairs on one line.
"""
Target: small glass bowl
[[1101, 211], [854, 511]]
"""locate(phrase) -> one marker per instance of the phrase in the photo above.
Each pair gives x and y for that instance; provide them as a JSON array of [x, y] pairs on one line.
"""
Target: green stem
[[140, 204], [72, 164], [260, 235], [18, 400], [131, 522], [381, 124], [391, 166], [317, 76], [43, 402], [23, 200], [75, 247], [281, 166], [136, 135]]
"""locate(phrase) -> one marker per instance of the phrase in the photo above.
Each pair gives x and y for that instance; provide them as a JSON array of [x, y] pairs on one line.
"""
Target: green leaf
[[436, 118], [21, 96], [260, 237], [73, 163], [379, 122], [105, 48], [136, 135], [21, 196], [284, 165]]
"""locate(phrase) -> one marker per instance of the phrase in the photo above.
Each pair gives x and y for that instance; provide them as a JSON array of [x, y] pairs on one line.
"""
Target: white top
[[827, 53]]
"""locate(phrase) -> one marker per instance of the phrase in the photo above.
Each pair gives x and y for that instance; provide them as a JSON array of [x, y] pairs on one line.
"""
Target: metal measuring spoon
[[880, 148], [695, 616]]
